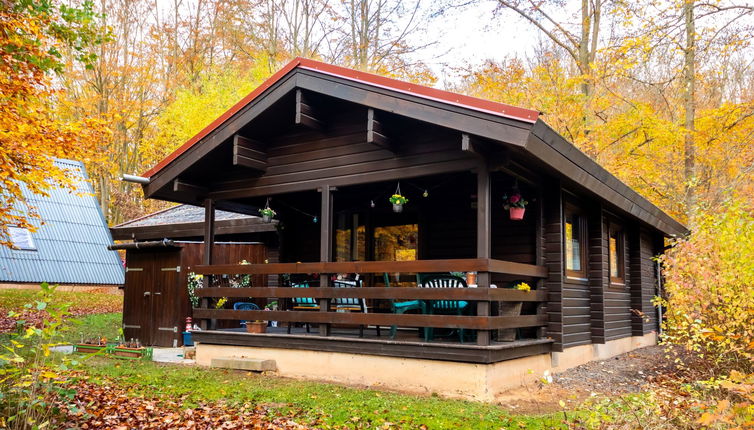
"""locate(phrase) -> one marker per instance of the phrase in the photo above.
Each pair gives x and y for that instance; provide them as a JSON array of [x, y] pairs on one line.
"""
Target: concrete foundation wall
[[483, 382]]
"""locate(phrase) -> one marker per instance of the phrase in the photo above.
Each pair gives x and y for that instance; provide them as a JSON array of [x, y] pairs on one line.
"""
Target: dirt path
[[626, 373]]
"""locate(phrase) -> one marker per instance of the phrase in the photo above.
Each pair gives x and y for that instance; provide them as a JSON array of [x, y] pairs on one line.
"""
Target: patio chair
[[303, 303], [245, 306], [401, 307], [444, 306], [347, 304]]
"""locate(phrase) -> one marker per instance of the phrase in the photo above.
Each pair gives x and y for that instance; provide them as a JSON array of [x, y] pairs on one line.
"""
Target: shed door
[[166, 322], [136, 301], [150, 313]]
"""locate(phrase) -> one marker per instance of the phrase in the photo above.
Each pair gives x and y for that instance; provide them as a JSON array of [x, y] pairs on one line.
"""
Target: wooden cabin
[[325, 147], [160, 247]]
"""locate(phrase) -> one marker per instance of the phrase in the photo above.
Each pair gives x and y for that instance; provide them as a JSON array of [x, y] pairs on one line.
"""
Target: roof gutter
[[164, 243], [135, 179]]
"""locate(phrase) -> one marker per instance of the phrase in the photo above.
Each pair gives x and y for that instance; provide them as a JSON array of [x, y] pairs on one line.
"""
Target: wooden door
[[136, 296], [149, 311], [166, 322]]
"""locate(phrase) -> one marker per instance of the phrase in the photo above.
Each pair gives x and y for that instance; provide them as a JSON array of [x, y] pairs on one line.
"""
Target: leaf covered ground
[[84, 305], [97, 406], [313, 404]]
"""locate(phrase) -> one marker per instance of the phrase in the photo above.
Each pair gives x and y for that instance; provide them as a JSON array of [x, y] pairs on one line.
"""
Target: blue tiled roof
[[71, 240]]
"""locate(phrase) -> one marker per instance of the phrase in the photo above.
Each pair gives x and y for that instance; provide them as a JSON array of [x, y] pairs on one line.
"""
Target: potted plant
[[267, 214], [398, 201], [257, 326], [516, 204], [272, 306], [511, 309]]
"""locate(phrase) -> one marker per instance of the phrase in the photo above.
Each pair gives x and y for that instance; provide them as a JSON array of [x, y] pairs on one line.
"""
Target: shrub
[[710, 288], [32, 378]]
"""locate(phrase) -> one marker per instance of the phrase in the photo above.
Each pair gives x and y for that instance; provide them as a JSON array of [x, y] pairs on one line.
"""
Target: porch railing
[[483, 296]]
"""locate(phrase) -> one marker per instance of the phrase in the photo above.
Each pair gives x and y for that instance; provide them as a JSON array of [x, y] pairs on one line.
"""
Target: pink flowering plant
[[514, 200]]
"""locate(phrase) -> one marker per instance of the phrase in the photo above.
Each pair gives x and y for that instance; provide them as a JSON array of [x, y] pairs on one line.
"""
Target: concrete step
[[253, 364]]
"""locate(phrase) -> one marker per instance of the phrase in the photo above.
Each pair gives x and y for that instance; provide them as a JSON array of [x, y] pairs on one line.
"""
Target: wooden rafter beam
[[180, 186], [306, 115], [376, 133], [249, 153]]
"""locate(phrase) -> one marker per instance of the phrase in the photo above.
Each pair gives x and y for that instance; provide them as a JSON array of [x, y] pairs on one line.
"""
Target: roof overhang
[[507, 125]]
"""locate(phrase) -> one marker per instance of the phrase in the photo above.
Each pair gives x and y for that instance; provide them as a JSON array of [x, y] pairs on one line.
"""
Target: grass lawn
[[312, 403], [92, 326], [82, 302]]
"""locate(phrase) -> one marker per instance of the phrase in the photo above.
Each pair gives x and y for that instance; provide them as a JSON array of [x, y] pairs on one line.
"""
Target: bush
[[32, 378], [710, 312], [709, 281]]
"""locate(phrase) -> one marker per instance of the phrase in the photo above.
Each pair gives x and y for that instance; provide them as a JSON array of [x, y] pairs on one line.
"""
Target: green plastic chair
[[444, 306], [347, 304], [303, 303], [401, 307]]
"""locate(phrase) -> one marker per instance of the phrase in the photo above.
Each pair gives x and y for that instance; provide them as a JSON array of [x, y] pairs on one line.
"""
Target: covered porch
[[351, 234]]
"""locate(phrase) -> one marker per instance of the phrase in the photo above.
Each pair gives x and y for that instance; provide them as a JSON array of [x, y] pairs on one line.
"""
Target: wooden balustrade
[[323, 293]]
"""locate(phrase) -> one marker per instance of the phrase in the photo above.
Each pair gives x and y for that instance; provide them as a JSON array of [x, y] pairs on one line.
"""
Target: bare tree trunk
[[689, 88]]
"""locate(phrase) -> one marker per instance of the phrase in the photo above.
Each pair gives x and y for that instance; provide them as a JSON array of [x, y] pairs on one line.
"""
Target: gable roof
[[183, 221], [180, 214], [71, 240], [481, 105], [518, 129]]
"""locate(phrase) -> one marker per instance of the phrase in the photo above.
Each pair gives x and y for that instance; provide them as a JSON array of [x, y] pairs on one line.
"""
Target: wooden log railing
[[482, 294]]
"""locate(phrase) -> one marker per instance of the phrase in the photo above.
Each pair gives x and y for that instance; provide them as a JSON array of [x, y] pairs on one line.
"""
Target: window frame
[[616, 228], [569, 210]]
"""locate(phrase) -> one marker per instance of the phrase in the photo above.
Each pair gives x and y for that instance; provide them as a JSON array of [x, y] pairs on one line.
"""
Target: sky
[[474, 33]]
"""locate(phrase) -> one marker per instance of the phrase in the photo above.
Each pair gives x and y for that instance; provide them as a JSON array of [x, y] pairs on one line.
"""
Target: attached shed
[[164, 244], [69, 246]]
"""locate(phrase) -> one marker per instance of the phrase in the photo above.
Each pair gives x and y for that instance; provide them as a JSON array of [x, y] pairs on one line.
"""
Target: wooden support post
[[325, 249], [483, 245], [209, 245]]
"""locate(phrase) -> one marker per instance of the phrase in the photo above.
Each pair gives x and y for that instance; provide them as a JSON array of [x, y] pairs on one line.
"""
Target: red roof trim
[[487, 106]]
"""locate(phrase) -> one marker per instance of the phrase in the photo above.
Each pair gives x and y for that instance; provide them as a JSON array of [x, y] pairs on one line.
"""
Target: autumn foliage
[[710, 288], [31, 132]]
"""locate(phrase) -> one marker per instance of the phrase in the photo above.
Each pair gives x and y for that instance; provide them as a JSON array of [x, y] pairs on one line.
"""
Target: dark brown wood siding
[[340, 155], [598, 273], [553, 245], [643, 282], [617, 297]]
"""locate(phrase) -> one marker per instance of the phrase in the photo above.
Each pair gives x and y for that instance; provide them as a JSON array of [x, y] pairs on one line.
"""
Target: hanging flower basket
[[398, 201], [267, 214], [517, 214], [516, 205]]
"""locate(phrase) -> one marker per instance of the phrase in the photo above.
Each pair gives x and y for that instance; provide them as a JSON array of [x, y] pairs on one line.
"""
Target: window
[[21, 239], [616, 255], [349, 246], [575, 243], [396, 243]]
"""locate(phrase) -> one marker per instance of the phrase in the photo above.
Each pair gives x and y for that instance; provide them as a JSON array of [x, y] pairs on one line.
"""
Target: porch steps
[[243, 363]]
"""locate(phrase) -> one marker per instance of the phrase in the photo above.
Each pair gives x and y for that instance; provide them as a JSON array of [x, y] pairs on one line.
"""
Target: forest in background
[[660, 93]]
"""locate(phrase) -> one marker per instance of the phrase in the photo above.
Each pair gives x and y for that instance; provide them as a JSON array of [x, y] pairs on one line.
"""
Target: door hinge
[[134, 269], [173, 329], [170, 269], [131, 326]]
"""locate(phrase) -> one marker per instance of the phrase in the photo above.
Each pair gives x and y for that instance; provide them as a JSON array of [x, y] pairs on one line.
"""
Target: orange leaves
[[108, 406], [31, 132]]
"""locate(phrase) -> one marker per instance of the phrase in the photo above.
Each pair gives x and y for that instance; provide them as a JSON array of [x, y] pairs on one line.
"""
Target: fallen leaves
[[97, 406]]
